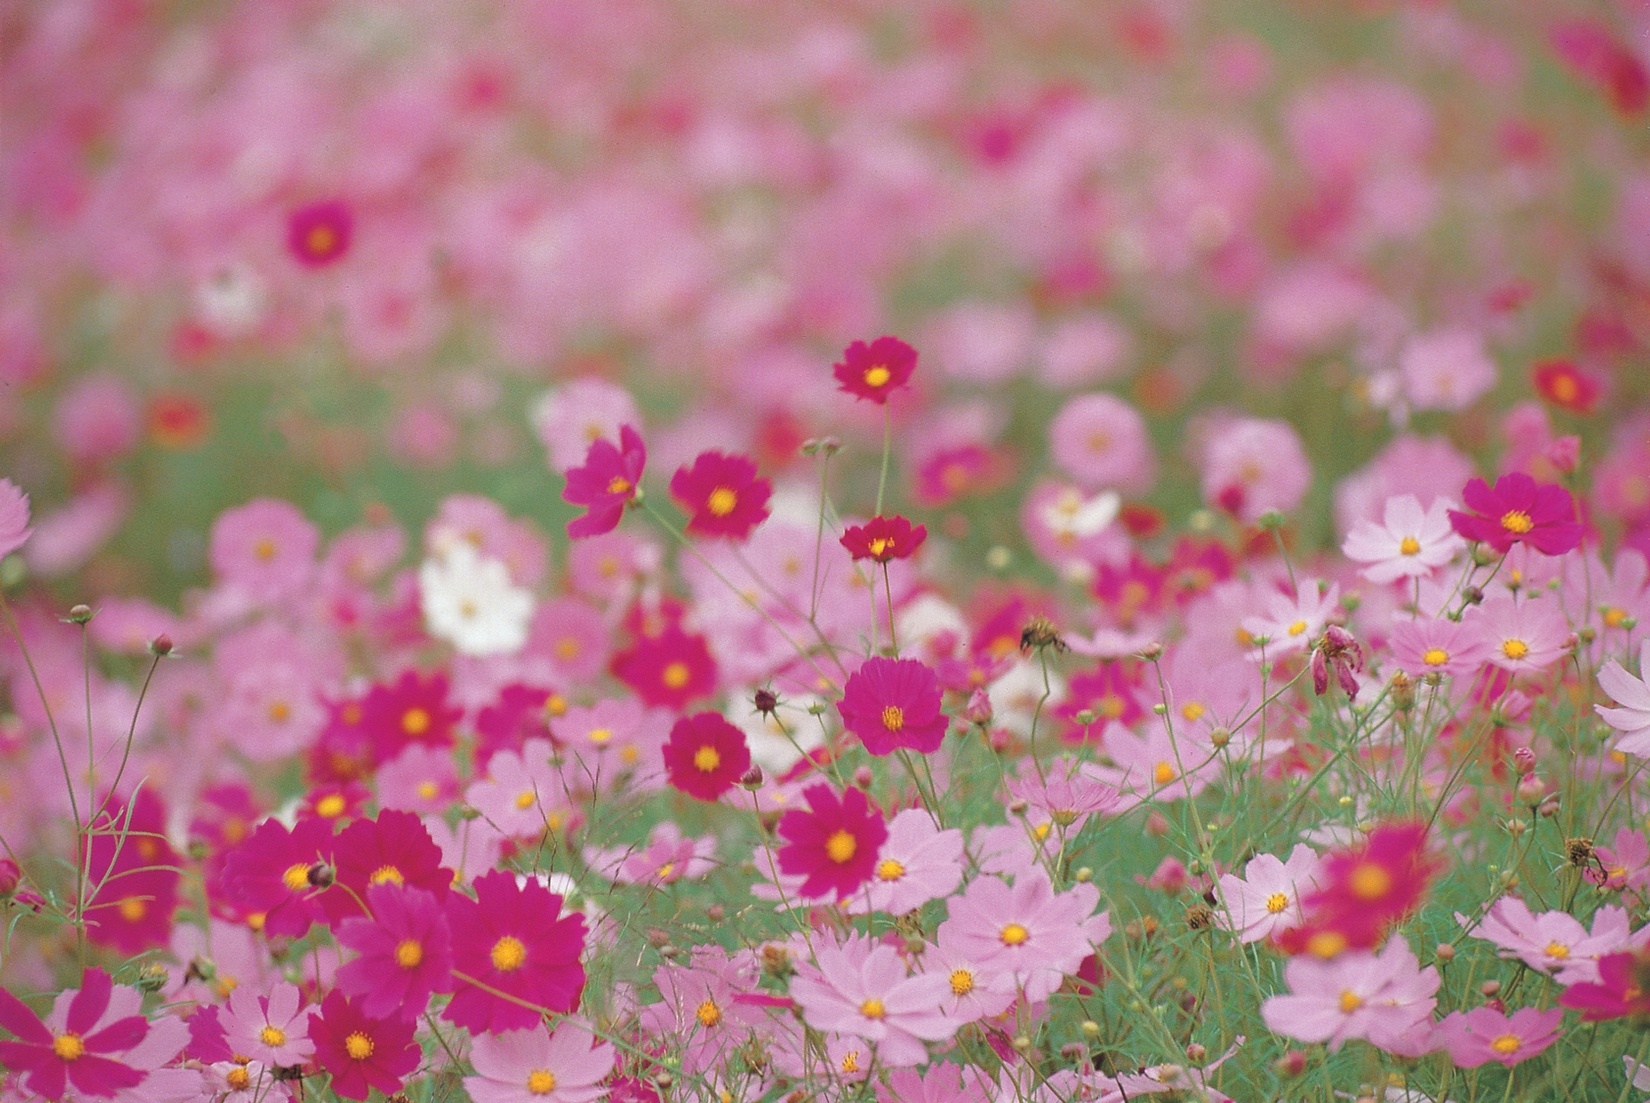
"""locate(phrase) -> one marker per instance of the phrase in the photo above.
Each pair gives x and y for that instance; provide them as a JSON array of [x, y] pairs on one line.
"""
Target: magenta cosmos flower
[[320, 233], [894, 704], [876, 370], [360, 1051], [609, 480], [404, 952], [512, 941], [705, 755], [530, 1066], [1518, 510], [863, 989], [884, 538], [95, 1041], [722, 495], [834, 844]]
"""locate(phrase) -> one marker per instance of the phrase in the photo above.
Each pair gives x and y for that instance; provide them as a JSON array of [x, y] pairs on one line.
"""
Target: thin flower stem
[[887, 451]]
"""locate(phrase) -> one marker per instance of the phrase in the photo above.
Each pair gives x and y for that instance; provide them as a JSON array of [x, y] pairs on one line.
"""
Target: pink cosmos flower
[[722, 495], [264, 549], [420, 779], [95, 1041], [522, 795], [1154, 763], [1251, 467], [1631, 717], [577, 414], [1066, 797], [362, 1051], [1520, 635], [270, 1028], [404, 950], [14, 518], [1290, 624], [1518, 510], [705, 755], [1266, 899], [894, 704], [667, 858], [1385, 998], [1436, 645], [862, 988], [1445, 369], [834, 844], [1028, 932], [1622, 989], [319, 234], [531, 1066], [875, 370], [515, 940], [608, 481], [1555, 942], [1410, 542], [1624, 866], [1477, 1037], [979, 988], [1101, 442], [701, 1008], [918, 863]]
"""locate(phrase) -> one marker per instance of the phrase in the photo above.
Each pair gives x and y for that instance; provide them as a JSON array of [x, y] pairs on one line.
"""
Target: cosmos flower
[[1385, 998], [834, 843], [1484, 1034], [884, 538], [514, 952], [1631, 717], [533, 1066], [876, 370], [1518, 510], [722, 495], [863, 989], [469, 601], [362, 1051], [14, 518], [705, 755], [894, 704], [608, 481], [319, 234], [404, 952], [1409, 541]]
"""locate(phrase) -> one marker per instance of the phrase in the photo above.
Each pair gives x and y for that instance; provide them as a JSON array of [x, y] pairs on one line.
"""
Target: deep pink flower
[[361, 1051], [320, 233], [79, 1049], [884, 538], [834, 844], [394, 849], [894, 704], [412, 709], [405, 949], [705, 755], [1518, 510], [1364, 889], [513, 939], [876, 370], [126, 853], [1477, 1037], [608, 481], [1623, 988], [667, 669], [267, 876], [722, 495]]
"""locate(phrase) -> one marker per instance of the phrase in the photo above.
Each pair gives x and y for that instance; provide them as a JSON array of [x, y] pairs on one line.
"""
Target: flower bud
[[1564, 453], [766, 702], [161, 645], [752, 778], [1444, 953], [1524, 761], [979, 710], [1291, 1064], [863, 777], [10, 876], [1196, 1052], [80, 614], [320, 876], [1490, 989]]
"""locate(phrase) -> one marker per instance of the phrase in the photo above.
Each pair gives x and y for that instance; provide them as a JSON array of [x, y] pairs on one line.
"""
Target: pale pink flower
[[272, 1028], [264, 549], [522, 795], [1477, 1037], [1154, 764], [668, 857], [1266, 899], [1520, 635], [530, 1066], [1027, 932], [1436, 645], [1252, 467], [918, 863], [978, 989], [1555, 942], [1385, 998], [1446, 369], [1631, 717], [575, 415], [700, 1008], [862, 989], [1292, 623], [1410, 542], [1101, 442]]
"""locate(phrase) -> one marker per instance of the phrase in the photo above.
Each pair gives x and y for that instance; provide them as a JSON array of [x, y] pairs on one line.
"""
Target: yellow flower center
[[296, 877], [1506, 1043], [541, 1082], [525, 799], [272, 1036], [68, 1047], [721, 502], [840, 846], [264, 549], [1297, 628], [409, 953], [1369, 882], [893, 717], [555, 705], [1613, 617], [880, 546], [358, 1046], [890, 870], [319, 241], [1163, 773], [877, 375], [676, 675], [1557, 950], [1014, 934], [415, 721], [508, 954], [1191, 710], [850, 1061], [279, 711], [1276, 903], [1435, 656], [133, 908], [962, 982], [1514, 649], [618, 484], [708, 1013], [1350, 1001], [872, 1009], [1517, 521], [706, 759], [331, 806], [598, 736], [1326, 944], [238, 1078], [428, 790], [386, 875], [1409, 546]]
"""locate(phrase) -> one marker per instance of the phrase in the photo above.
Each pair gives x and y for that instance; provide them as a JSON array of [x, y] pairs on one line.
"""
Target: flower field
[[1018, 551]]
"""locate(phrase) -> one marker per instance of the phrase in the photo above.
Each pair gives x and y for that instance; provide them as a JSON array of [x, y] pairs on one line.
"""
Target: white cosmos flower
[[1073, 515], [469, 601]]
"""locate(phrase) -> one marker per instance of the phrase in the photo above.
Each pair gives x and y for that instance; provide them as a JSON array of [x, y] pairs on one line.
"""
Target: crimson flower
[[876, 370], [512, 939], [405, 952], [1363, 890], [411, 709], [267, 875], [723, 495], [320, 233], [360, 1051], [834, 844], [705, 755], [667, 669], [1518, 510], [884, 538], [394, 849], [82, 1056], [893, 704], [1566, 386], [1623, 988], [609, 480]]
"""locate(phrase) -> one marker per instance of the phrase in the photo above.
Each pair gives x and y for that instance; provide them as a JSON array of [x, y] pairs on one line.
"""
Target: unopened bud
[[979, 710], [1075, 1052], [1549, 807], [1157, 825], [10, 876], [863, 777], [752, 778], [663, 1079], [1084, 717], [161, 645], [1017, 806], [1531, 790], [1443, 953], [1083, 875], [1091, 1028], [152, 977], [1271, 520], [1151, 652], [1291, 1064], [1524, 761], [766, 701], [1219, 738], [80, 614], [1022, 1043], [1490, 989], [716, 913], [1196, 1051]]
